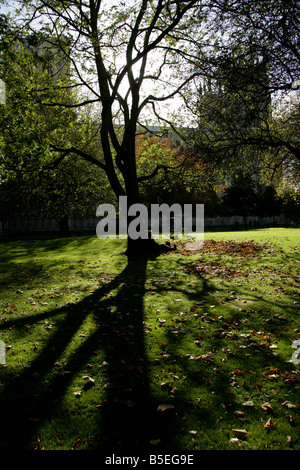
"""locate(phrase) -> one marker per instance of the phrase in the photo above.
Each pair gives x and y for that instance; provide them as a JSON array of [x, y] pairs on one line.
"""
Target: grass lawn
[[187, 351]]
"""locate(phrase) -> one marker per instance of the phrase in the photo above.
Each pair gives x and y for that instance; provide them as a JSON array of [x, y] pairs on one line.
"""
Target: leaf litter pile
[[247, 248], [243, 250]]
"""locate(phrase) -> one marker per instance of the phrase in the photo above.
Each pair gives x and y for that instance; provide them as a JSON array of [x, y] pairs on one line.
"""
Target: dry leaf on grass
[[289, 405], [267, 407], [165, 407], [89, 379], [240, 433], [269, 423]]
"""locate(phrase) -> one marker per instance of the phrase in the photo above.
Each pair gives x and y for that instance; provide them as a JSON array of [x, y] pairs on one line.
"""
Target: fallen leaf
[[167, 356], [206, 357], [267, 407], [269, 423], [289, 405], [89, 379], [240, 433], [274, 376], [155, 442], [164, 384], [248, 403], [165, 407], [239, 372], [234, 440]]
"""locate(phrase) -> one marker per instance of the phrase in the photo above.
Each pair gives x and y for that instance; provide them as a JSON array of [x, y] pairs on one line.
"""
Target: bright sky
[[7, 8]]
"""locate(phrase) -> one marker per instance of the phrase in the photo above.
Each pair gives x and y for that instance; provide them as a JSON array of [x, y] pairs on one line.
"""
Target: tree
[[255, 66], [31, 184], [241, 197], [269, 204], [230, 115], [114, 53]]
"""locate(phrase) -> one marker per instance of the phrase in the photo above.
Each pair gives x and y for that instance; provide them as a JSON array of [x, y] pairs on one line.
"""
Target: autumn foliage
[[178, 175]]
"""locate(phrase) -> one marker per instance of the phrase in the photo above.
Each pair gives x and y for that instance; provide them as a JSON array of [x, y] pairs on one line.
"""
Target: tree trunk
[[139, 246], [146, 247], [64, 226]]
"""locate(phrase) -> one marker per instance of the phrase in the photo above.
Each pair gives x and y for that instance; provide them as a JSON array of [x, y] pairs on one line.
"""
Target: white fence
[[29, 224]]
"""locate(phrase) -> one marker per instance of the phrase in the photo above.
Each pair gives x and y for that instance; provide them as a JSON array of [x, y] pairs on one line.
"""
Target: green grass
[[161, 354]]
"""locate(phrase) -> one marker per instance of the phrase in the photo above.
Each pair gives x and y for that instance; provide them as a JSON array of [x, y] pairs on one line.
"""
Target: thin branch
[[154, 173], [152, 98]]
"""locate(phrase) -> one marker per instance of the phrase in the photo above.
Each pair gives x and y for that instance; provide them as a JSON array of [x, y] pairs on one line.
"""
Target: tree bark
[[146, 247], [139, 246], [64, 230]]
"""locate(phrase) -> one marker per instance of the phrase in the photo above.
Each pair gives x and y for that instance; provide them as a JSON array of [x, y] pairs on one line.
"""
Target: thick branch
[[76, 151], [69, 105]]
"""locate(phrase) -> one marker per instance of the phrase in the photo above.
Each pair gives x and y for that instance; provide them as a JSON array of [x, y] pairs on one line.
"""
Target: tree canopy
[[252, 108]]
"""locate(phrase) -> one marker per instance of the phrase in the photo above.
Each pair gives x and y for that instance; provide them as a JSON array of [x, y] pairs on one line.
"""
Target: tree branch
[[76, 151], [154, 173]]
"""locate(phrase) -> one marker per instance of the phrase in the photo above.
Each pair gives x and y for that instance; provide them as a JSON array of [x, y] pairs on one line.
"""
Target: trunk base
[[64, 227], [146, 246]]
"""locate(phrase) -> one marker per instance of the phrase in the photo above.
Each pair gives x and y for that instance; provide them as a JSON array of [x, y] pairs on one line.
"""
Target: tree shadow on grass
[[127, 416]]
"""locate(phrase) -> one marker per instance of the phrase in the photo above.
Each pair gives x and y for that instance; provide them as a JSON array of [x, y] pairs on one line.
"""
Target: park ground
[[186, 351]]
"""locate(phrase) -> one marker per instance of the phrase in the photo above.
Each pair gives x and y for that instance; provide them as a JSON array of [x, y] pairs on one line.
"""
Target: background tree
[[241, 197], [256, 66], [269, 203], [30, 183]]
